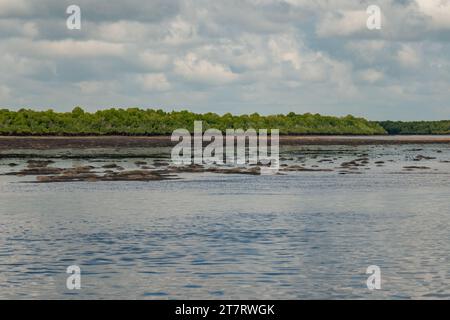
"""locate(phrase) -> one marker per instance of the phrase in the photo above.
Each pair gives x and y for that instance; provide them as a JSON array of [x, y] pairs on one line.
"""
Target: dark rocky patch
[[350, 172], [297, 168], [160, 163], [133, 175], [39, 163], [195, 168], [51, 171], [188, 168], [110, 166], [422, 157], [36, 171], [237, 170], [91, 177]]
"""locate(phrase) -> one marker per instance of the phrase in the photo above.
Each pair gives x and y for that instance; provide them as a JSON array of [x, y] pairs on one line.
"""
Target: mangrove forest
[[135, 121]]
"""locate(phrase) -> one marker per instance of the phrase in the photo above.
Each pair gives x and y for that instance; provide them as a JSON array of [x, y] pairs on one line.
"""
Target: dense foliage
[[417, 127], [136, 121]]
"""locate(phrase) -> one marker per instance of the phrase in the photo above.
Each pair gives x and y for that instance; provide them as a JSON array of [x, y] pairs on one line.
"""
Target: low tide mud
[[51, 142], [153, 164]]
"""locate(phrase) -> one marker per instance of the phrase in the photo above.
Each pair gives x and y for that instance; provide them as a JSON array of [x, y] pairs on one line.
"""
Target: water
[[302, 235]]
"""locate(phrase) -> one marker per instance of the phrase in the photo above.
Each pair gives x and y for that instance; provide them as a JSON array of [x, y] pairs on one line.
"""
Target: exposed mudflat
[[52, 142], [154, 164]]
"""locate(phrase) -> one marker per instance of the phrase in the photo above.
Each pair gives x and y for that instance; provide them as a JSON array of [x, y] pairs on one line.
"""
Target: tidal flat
[[140, 228]]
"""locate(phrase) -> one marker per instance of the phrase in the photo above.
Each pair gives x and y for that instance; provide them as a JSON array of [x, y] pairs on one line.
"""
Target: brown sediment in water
[[46, 143], [52, 142], [131, 175], [46, 174], [134, 175]]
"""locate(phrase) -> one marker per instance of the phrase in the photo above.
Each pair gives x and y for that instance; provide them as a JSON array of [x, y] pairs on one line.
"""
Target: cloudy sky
[[239, 56]]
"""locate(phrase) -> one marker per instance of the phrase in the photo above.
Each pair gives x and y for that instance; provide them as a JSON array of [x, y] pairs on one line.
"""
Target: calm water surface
[[300, 235]]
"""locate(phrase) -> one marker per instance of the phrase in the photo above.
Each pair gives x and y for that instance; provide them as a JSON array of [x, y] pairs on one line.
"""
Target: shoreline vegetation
[[158, 124], [150, 122]]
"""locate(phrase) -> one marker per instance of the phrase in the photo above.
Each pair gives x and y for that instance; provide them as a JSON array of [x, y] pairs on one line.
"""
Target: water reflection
[[299, 235]]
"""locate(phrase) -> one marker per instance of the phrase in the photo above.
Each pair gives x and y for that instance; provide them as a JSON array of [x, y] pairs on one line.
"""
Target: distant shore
[[59, 142]]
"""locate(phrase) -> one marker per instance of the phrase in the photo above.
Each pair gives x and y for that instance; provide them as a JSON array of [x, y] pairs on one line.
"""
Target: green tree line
[[135, 121], [417, 127]]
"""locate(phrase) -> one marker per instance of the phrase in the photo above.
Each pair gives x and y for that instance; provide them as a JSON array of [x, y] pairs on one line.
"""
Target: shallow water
[[299, 235]]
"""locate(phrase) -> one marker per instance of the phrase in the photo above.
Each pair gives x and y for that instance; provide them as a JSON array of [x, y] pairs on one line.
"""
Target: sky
[[238, 56]]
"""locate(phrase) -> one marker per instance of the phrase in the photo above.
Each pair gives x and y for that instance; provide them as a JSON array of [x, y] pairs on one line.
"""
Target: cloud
[[371, 75], [154, 60], [342, 23], [96, 87], [285, 49], [202, 71], [122, 31], [408, 56], [153, 82], [11, 8], [4, 92], [72, 48], [438, 11], [18, 28], [265, 56]]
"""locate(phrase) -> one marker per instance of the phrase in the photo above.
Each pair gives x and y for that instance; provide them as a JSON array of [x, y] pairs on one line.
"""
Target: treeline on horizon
[[135, 121], [416, 127]]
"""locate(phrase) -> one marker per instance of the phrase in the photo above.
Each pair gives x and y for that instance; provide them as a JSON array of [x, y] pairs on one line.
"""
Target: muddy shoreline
[[154, 164], [48, 142]]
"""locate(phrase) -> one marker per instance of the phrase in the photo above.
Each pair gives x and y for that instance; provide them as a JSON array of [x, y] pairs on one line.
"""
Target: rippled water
[[300, 235]]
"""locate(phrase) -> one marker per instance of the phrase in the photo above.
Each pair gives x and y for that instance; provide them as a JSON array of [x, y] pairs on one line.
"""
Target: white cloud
[[180, 32], [438, 11], [19, 28], [153, 60], [123, 31], [153, 82], [342, 23], [97, 87], [408, 56], [195, 69], [13, 7], [367, 50], [371, 75], [285, 49], [73, 48], [26, 67]]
